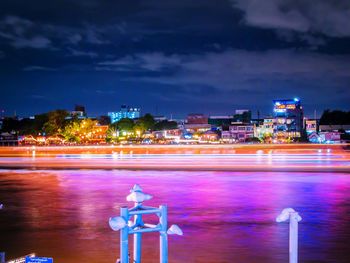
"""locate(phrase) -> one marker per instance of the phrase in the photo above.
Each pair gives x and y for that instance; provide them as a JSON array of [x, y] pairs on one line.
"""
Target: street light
[[293, 217], [175, 230], [117, 223], [137, 226]]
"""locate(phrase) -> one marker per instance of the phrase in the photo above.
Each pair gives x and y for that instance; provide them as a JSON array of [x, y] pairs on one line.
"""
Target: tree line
[[335, 117], [61, 123]]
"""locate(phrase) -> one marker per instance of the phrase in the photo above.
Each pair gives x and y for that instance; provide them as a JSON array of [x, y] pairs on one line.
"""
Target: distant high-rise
[[79, 108], [125, 112], [79, 112], [288, 115]]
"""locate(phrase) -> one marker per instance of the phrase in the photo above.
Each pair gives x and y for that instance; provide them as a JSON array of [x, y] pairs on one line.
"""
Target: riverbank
[[167, 149], [291, 157]]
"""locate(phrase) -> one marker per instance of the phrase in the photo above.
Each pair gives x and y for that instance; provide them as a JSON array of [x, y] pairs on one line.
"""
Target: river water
[[225, 216]]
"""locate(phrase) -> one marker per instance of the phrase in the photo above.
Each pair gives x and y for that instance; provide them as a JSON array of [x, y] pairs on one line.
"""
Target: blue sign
[[38, 260]]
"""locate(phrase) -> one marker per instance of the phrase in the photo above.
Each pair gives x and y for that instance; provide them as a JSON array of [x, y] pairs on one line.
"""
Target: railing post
[[293, 238], [124, 236], [293, 217], [137, 240], [121, 223], [163, 234]]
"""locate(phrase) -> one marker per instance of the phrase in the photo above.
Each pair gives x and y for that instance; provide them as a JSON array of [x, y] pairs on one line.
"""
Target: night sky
[[173, 56]]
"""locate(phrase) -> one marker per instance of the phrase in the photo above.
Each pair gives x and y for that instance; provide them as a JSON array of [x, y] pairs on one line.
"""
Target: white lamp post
[[137, 226], [293, 217]]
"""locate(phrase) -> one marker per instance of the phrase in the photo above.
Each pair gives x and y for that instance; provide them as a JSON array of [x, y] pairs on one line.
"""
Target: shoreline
[[238, 157], [202, 169]]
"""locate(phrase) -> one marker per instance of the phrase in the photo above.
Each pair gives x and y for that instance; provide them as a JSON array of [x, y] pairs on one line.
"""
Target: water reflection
[[226, 216]]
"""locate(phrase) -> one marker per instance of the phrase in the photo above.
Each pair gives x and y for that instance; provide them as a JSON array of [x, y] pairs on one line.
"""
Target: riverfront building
[[310, 126], [125, 112], [196, 123], [240, 132], [196, 118], [288, 115], [220, 121]]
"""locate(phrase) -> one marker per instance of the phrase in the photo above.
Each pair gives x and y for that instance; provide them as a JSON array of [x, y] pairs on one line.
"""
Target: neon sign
[[285, 106]]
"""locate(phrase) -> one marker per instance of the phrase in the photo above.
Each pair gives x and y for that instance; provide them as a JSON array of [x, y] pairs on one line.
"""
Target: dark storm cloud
[[203, 54], [222, 69], [313, 42], [232, 74], [15, 30], [328, 17], [23, 33]]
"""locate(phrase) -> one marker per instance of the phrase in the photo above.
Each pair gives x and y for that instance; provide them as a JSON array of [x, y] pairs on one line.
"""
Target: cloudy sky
[[173, 56]]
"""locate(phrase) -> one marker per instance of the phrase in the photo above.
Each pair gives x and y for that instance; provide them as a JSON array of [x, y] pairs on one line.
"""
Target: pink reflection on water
[[226, 216]]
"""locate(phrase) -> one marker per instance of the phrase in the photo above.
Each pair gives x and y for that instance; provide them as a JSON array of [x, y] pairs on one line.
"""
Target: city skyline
[[173, 58], [174, 115]]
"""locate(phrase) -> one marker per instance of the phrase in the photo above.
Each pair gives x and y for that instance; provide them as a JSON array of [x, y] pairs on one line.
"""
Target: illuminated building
[[79, 111], [196, 119], [325, 137], [8, 139], [209, 136], [196, 123], [288, 115], [332, 133], [125, 112], [310, 126], [98, 134], [267, 128], [197, 128], [269, 125], [226, 137], [242, 131]]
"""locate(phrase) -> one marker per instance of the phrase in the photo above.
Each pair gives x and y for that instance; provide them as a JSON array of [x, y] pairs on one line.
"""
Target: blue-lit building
[[288, 115], [125, 112]]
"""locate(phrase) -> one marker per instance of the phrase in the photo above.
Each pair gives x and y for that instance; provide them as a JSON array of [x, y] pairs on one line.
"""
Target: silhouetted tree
[[124, 124], [145, 123], [335, 117], [56, 122], [26, 126], [165, 125]]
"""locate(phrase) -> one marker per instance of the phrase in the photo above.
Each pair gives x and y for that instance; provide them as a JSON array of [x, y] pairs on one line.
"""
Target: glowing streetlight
[[137, 226]]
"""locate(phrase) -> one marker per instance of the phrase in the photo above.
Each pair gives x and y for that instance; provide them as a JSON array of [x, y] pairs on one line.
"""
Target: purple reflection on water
[[225, 216]]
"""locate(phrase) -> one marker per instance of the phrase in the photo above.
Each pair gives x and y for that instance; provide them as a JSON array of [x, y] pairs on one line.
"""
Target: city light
[[227, 111]]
